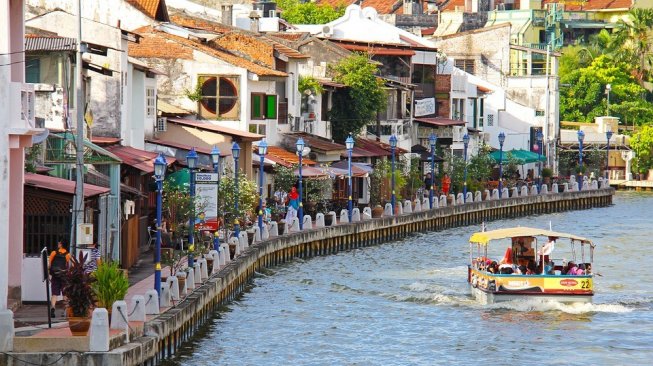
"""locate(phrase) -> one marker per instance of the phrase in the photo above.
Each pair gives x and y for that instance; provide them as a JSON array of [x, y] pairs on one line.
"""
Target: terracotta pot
[[328, 220], [282, 227], [209, 265], [377, 211], [164, 279], [182, 282], [79, 326]]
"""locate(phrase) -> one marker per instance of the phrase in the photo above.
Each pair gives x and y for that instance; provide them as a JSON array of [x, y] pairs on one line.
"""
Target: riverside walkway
[[159, 336]]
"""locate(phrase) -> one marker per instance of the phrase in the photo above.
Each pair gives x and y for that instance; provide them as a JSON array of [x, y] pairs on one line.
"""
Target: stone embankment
[[165, 333]]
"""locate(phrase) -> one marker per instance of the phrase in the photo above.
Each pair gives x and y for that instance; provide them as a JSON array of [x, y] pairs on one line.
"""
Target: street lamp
[[465, 143], [608, 88], [581, 137], [432, 139], [215, 159], [393, 147], [539, 137], [191, 160], [349, 144], [159, 173], [502, 139], [299, 145], [262, 150], [235, 152], [608, 136]]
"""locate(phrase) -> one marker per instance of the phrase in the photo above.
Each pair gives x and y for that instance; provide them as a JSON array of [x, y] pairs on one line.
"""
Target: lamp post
[[581, 137], [299, 146], [215, 159], [608, 136], [262, 150], [235, 152], [393, 147], [432, 139], [159, 173], [539, 137], [608, 88], [465, 144], [191, 160], [502, 139], [349, 144]]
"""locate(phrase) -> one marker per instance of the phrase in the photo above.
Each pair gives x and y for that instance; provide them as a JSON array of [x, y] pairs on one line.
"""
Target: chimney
[[227, 14], [254, 16]]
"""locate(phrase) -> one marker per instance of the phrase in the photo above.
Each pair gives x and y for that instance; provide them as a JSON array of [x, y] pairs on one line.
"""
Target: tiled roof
[[451, 5], [367, 147], [155, 9], [157, 44], [439, 122], [139, 159], [285, 158], [41, 43], [594, 4], [177, 145], [198, 23], [374, 50], [208, 126], [101, 140], [61, 185], [316, 142], [381, 6]]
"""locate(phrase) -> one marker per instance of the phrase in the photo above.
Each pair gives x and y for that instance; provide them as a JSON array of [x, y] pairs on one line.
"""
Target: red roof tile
[[440, 122], [374, 50], [62, 185], [178, 145], [155, 9], [316, 142], [139, 159], [208, 126], [593, 4], [372, 148], [285, 158]]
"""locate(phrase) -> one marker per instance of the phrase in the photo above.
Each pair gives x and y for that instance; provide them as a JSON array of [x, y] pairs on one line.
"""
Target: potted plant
[[79, 295], [174, 261], [110, 285]]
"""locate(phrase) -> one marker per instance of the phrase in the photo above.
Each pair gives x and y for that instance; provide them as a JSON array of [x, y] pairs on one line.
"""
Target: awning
[[61, 185], [329, 172], [485, 237], [209, 126], [522, 156], [317, 143], [377, 50], [342, 164], [139, 159], [286, 158], [372, 148], [583, 24], [440, 122], [93, 154]]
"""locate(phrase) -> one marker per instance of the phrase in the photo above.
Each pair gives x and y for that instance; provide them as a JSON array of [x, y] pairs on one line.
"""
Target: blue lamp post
[[581, 137], [539, 137], [262, 150], [300, 153], [215, 159], [159, 173], [235, 152], [502, 139], [433, 139], [349, 144], [608, 136], [393, 147], [466, 144], [191, 160]]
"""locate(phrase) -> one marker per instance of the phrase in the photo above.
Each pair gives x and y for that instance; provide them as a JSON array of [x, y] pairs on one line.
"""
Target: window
[[219, 97], [490, 119], [391, 108], [150, 102], [264, 106], [481, 107], [458, 109], [466, 65], [539, 113], [32, 70]]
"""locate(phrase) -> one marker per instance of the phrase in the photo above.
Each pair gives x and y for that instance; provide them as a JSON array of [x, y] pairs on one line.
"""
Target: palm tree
[[631, 42]]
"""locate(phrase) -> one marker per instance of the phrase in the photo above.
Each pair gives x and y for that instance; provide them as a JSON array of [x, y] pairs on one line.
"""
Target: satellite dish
[[306, 151], [37, 139]]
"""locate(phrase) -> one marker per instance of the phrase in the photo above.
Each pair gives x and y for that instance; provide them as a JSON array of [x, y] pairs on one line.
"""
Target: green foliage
[[110, 284], [173, 259], [284, 178], [247, 201], [297, 12], [642, 144], [309, 83], [481, 165], [547, 173], [413, 177], [631, 42], [178, 207], [77, 289], [318, 192], [593, 162], [32, 155], [357, 104], [378, 181], [196, 94]]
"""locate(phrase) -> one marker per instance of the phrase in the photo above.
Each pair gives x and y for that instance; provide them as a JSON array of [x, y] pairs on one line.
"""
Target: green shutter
[[271, 110], [33, 70], [256, 106]]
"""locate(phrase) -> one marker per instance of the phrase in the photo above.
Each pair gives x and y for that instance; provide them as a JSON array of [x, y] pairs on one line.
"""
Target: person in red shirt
[[58, 262], [446, 184]]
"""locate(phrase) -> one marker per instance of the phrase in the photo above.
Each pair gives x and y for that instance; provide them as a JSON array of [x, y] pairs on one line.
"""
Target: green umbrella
[[180, 178], [521, 155]]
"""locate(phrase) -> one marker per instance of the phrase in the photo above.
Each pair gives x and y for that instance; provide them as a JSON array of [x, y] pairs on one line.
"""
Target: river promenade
[[159, 336]]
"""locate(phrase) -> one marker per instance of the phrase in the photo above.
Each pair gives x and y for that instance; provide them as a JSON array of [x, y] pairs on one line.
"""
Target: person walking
[[59, 260], [94, 260], [446, 184], [293, 205]]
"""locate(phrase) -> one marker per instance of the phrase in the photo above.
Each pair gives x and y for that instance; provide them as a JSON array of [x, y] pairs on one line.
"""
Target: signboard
[[424, 107], [206, 192]]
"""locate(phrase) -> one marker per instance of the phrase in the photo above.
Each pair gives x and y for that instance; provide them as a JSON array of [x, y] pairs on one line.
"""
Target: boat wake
[[569, 308]]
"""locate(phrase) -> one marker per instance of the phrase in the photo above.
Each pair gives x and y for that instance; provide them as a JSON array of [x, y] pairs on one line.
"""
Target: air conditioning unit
[[308, 127], [85, 234], [296, 124], [272, 13], [27, 98], [161, 124], [327, 31]]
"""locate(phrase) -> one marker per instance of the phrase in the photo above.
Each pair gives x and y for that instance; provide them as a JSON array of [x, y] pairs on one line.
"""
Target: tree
[[642, 144], [356, 105], [296, 12], [247, 197], [632, 43]]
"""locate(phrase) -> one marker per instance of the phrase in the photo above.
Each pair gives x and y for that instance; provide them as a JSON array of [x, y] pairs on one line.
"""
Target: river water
[[408, 303]]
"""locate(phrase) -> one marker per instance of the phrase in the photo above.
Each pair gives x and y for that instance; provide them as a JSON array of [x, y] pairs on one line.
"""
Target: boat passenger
[[548, 269], [581, 269], [572, 269], [531, 268], [493, 267]]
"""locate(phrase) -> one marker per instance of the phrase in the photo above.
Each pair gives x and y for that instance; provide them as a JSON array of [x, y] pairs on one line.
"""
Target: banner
[[206, 192], [424, 107]]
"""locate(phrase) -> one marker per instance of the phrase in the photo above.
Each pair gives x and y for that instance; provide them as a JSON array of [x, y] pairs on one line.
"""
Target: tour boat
[[544, 277]]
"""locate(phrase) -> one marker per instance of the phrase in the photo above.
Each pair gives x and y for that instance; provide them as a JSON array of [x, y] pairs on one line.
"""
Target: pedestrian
[[293, 205], [95, 258], [446, 184], [427, 181], [58, 262]]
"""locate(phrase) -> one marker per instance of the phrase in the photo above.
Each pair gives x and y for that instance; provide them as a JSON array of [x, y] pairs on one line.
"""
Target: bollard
[[274, 229], [120, 317], [524, 191], [460, 199], [165, 295], [99, 332], [545, 189], [334, 217], [173, 285], [418, 205], [356, 214], [225, 254], [451, 199], [197, 272], [294, 227], [236, 243], [190, 279], [152, 302], [400, 208], [425, 203], [408, 207], [443, 201], [495, 194], [319, 220], [183, 289], [308, 222], [477, 196], [388, 210], [137, 314], [515, 192], [533, 190], [243, 239], [265, 235], [204, 269], [344, 216], [257, 234], [469, 197], [367, 213], [6, 330]]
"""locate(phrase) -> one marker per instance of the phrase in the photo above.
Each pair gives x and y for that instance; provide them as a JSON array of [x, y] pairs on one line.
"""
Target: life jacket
[[58, 264]]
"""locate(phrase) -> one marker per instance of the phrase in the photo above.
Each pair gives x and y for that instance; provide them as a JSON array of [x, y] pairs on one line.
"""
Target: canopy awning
[[342, 164], [62, 185], [522, 156], [136, 158], [485, 237]]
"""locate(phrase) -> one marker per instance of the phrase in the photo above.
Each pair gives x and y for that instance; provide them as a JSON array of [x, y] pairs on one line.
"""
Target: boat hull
[[486, 297]]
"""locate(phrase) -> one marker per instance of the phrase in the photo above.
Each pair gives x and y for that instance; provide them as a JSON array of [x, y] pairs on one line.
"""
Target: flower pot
[[377, 211], [328, 220], [250, 237], [164, 279], [282, 227], [79, 325], [182, 282], [209, 265]]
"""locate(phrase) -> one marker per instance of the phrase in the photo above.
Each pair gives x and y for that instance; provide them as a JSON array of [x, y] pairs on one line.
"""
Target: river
[[407, 303]]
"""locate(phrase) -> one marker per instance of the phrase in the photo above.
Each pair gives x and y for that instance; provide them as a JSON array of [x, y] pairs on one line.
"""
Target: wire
[[38, 364]]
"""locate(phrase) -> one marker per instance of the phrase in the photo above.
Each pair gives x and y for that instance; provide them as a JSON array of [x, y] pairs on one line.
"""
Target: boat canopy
[[484, 237]]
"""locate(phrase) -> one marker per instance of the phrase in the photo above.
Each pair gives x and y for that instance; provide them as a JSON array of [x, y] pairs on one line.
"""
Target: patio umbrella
[[521, 155], [180, 178], [312, 172], [342, 164]]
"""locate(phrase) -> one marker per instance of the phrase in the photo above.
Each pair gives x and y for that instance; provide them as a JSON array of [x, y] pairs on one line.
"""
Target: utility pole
[[78, 202]]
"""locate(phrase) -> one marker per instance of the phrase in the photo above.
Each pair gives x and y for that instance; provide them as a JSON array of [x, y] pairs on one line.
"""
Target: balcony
[[22, 120]]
